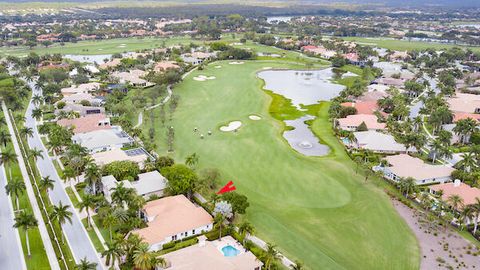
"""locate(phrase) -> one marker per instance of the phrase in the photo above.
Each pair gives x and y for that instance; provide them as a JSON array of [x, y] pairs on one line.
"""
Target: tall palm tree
[[35, 154], [464, 128], [407, 186], [270, 255], [86, 265], [46, 183], [436, 147], [61, 214], [476, 209], [37, 99], [26, 132], [4, 138], [467, 214], [15, 187], [220, 220], [37, 114], [192, 160], [144, 259], [109, 221], [93, 176], [121, 194], [113, 253], [455, 201], [8, 157], [468, 162], [88, 203], [26, 221], [245, 229]]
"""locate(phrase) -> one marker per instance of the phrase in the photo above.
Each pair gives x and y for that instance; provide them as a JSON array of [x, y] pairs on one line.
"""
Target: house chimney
[[457, 183]]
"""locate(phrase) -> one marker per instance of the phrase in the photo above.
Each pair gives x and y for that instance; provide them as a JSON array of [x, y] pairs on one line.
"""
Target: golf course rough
[[315, 209]]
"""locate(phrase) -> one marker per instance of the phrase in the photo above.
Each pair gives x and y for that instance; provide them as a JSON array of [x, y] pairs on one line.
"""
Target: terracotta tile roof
[[466, 192], [357, 119], [171, 216], [404, 165], [87, 123], [363, 107], [459, 116]]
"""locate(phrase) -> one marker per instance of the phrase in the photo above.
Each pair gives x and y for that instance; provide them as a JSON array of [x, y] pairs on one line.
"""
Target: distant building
[[82, 110], [352, 122], [137, 155], [86, 123]]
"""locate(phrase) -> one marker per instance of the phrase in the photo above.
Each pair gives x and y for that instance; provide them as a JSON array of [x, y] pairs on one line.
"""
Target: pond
[[91, 59], [303, 88]]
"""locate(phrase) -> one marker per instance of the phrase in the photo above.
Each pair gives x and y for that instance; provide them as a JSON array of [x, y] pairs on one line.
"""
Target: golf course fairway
[[315, 209]]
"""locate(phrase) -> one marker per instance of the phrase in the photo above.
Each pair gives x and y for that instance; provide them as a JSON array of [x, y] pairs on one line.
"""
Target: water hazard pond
[[303, 88]]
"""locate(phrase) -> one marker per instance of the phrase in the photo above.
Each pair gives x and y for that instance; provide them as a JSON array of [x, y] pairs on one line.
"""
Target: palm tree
[[35, 154], [407, 186], [114, 252], [270, 255], [219, 220], [68, 173], [467, 214], [464, 128], [88, 203], [455, 201], [15, 187], [4, 138], [26, 221], [192, 160], [109, 221], [476, 209], [37, 99], [468, 161], [297, 266], [46, 183], [37, 114], [61, 214], [245, 229], [86, 265], [7, 158], [121, 194], [26, 132], [436, 148], [93, 176], [143, 259]]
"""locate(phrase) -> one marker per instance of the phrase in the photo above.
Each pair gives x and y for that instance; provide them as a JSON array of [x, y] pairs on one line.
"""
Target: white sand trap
[[231, 126], [254, 117], [100, 49], [218, 66], [267, 68], [202, 78], [236, 63], [121, 46]]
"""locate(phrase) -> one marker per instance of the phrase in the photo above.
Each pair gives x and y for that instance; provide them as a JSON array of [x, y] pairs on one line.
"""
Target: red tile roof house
[[87, 123], [363, 107], [403, 166], [173, 218], [464, 191], [352, 122]]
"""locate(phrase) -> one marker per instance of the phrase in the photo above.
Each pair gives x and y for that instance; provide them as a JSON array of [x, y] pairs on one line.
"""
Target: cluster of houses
[[168, 218]]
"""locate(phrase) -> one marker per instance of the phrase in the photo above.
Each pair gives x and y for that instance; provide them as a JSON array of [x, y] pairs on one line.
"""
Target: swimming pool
[[229, 251]]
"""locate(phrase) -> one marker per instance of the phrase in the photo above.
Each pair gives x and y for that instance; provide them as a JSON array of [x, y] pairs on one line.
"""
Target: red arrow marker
[[227, 188]]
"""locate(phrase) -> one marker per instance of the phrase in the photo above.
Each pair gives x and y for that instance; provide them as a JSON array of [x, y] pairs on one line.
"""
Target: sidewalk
[[52, 258]]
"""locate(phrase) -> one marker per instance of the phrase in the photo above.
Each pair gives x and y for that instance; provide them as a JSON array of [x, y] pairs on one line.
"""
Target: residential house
[[148, 184], [379, 142], [363, 107], [133, 77], [403, 166], [103, 140], [81, 110], [467, 193], [137, 155], [164, 65], [87, 123], [352, 122], [173, 218], [85, 88], [79, 97], [115, 62], [208, 255], [465, 103]]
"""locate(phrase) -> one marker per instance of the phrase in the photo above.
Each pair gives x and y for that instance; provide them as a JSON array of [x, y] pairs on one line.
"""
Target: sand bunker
[[202, 78], [234, 125], [267, 68], [254, 117], [218, 66], [121, 46], [236, 63]]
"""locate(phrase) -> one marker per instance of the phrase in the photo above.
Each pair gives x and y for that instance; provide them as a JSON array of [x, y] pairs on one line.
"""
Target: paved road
[[47, 243], [75, 233], [11, 253]]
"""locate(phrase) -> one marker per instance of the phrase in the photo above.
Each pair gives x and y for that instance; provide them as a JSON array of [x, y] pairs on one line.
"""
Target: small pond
[[303, 88]]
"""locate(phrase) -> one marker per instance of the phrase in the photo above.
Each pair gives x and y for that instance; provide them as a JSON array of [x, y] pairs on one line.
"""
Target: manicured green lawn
[[93, 237], [314, 208], [402, 45]]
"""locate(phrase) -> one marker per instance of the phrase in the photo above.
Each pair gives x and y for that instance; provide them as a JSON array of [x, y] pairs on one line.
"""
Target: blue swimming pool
[[229, 251]]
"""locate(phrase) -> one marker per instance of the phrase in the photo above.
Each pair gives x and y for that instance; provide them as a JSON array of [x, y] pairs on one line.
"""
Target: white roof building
[[103, 140], [148, 184], [379, 142]]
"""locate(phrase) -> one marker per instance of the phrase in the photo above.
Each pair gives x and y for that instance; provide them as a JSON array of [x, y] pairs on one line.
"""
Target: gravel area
[[440, 248]]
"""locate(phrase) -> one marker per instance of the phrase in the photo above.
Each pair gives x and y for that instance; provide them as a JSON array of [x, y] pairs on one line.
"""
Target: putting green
[[316, 209]]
